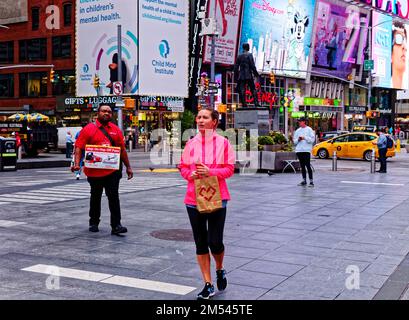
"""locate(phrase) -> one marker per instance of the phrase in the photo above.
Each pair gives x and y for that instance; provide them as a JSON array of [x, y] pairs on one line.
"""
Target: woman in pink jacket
[[208, 154]]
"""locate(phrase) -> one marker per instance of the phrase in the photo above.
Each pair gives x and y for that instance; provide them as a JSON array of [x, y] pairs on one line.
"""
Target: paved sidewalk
[[282, 241]]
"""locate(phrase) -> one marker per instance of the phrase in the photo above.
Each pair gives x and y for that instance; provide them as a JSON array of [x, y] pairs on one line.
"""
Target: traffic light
[[373, 114], [96, 81], [130, 104], [272, 78], [350, 77], [222, 108], [206, 82], [52, 72]]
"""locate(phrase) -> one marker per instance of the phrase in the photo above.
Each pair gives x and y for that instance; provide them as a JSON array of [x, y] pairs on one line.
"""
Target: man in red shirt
[[93, 134]]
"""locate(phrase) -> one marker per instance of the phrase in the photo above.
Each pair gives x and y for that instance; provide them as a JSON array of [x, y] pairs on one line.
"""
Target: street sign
[[120, 103], [214, 85], [117, 88], [210, 91], [369, 65]]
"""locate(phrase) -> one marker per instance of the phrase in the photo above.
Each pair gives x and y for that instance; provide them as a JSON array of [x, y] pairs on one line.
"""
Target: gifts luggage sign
[[102, 157]]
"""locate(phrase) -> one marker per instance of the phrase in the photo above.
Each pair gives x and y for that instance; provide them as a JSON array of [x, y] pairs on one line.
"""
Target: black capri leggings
[[207, 230]]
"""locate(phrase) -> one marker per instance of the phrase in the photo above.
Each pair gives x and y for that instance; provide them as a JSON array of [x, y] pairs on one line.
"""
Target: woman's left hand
[[202, 170]]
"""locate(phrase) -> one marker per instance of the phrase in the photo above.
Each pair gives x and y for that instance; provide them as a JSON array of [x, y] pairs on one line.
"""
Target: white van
[[62, 133]]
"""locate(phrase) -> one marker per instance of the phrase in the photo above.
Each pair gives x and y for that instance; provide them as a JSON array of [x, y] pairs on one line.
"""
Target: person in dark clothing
[[113, 73], [103, 133], [244, 70], [382, 144]]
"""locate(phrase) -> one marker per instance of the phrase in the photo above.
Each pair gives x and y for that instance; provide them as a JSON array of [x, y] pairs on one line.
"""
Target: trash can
[[8, 154]]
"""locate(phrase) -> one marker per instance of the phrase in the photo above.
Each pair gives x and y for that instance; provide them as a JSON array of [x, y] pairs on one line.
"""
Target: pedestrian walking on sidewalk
[[382, 144], [304, 139], [208, 157], [69, 142], [78, 173], [103, 133]]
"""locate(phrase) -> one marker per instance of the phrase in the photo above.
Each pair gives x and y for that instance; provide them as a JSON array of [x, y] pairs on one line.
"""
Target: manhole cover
[[173, 234]]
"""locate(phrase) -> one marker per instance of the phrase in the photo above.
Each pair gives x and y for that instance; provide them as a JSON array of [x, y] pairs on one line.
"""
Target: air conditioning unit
[[209, 27]]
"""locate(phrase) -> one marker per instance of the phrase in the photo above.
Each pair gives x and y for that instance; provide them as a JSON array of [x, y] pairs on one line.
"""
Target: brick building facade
[[40, 40]]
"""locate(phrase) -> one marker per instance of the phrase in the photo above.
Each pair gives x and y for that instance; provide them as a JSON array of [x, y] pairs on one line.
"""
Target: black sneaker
[[303, 183], [311, 184], [93, 228], [207, 292], [119, 229], [221, 279]]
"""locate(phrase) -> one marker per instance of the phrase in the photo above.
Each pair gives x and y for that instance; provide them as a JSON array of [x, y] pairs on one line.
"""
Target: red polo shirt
[[91, 134]]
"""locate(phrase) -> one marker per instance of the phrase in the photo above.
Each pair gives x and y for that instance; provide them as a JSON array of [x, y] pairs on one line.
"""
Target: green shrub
[[265, 140], [277, 137]]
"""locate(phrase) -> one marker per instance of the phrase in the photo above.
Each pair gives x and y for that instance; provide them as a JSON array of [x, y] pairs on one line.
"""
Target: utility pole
[[370, 71], [209, 28], [120, 103], [212, 66]]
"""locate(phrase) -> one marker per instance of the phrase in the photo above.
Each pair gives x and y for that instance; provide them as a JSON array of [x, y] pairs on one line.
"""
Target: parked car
[[357, 145], [331, 134]]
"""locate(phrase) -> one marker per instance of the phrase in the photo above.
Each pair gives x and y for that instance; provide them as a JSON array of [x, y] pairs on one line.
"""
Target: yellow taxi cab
[[357, 145]]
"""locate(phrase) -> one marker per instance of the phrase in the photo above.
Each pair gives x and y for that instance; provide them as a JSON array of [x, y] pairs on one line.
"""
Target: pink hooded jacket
[[216, 153]]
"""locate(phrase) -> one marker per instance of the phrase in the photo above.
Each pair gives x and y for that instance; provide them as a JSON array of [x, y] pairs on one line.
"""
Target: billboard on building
[[97, 45], [337, 38], [389, 51], [164, 43], [227, 15], [13, 11], [279, 33]]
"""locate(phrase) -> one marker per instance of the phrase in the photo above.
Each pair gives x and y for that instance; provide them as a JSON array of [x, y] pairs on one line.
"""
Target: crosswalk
[[27, 183], [78, 190]]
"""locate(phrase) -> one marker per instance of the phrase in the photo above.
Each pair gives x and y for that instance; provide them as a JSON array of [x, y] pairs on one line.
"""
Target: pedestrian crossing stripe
[[105, 278], [9, 223], [160, 170], [80, 191]]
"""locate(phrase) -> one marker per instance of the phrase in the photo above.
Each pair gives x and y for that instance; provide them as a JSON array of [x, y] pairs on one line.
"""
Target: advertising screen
[[97, 45], [381, 48], [227, 14], [279, 34], [337, 36], [389, 51], [164, 43]]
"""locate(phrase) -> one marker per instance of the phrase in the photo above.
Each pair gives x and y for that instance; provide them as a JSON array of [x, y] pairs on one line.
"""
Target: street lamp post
[[209, 28], [363, 26]]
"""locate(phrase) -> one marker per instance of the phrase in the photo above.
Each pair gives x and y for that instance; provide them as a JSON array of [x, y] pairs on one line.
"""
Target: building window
[[6, 52], [6, 86], [33, 84], [67, 14], [35, 18], [64, 82], [62, 47], [33, 49]]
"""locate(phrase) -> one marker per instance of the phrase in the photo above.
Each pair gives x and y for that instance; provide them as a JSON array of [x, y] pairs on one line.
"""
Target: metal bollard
[[334, 161], [130, 146], [171, 155], [373, 167]]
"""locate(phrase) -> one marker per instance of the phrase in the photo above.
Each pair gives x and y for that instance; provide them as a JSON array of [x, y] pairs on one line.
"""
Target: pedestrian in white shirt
[[304, 139]]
